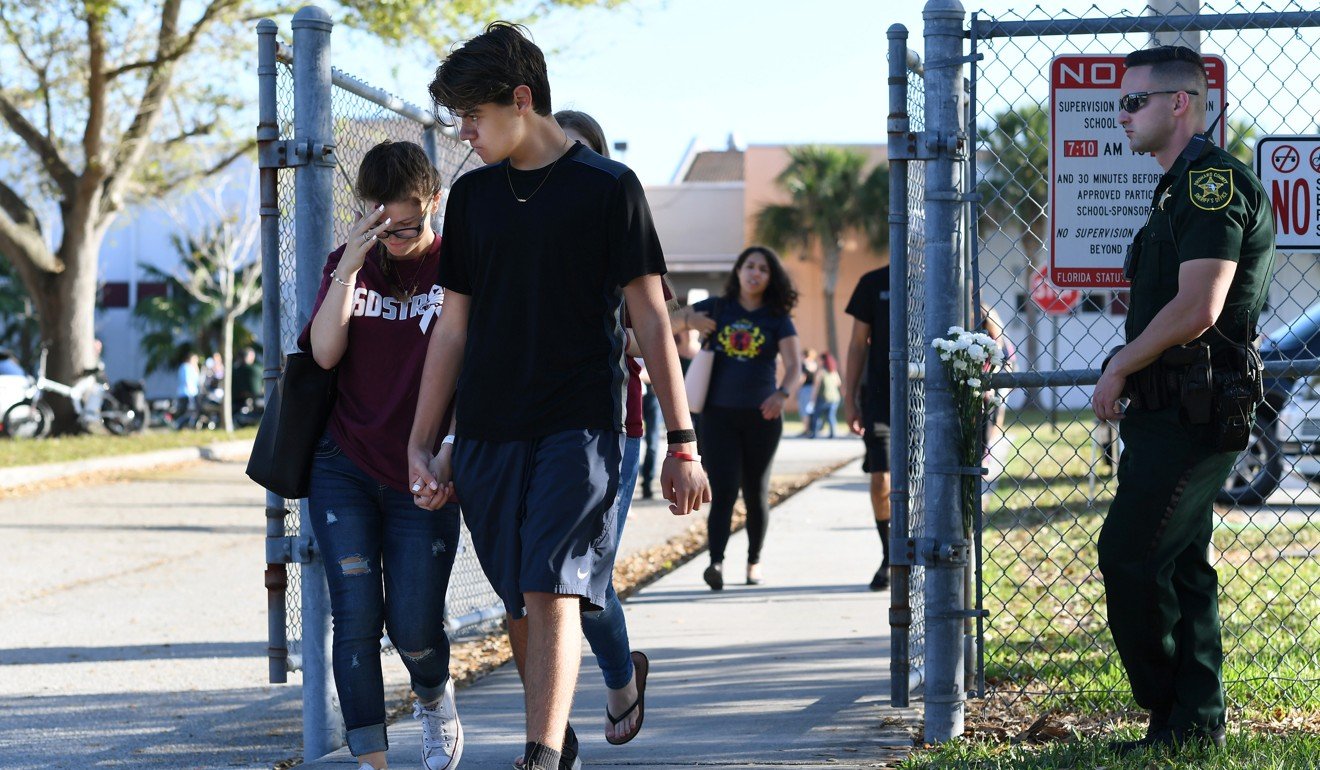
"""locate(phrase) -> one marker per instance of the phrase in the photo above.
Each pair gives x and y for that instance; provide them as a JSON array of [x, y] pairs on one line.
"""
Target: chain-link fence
[[1051, 464], [362, 117], [907, 306]]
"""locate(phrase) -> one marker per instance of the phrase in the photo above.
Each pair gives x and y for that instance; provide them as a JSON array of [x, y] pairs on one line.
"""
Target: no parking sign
[[1289, 169]]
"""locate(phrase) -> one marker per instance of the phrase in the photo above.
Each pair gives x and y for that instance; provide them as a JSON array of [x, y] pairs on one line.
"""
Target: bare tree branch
[[20, 233], [169, 49], [92, 138], [181, 47], [46, 151], [200, 129], [214, 169]]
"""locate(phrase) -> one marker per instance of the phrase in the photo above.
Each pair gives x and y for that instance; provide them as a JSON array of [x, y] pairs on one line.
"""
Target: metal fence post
[[268, 132], [944, 546], [900, 610], [314, 188]]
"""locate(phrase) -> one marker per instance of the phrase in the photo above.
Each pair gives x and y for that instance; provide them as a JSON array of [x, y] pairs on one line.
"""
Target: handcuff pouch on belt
[[1219, 389]]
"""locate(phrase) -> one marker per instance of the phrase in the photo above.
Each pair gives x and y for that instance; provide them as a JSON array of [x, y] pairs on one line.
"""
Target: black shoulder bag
[[293, 423]]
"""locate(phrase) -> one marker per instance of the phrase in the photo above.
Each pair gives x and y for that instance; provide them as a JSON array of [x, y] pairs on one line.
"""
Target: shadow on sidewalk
[[240, 728]]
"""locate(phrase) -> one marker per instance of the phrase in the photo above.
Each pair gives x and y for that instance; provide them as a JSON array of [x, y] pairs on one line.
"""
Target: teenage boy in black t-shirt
[[866, 397], [541, 248]]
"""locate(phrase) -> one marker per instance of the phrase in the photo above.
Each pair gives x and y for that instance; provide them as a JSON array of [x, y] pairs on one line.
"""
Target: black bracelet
[[685, 436]]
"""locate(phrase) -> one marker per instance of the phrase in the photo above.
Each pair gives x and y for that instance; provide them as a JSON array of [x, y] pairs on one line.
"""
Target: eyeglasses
[[1134, 101], [403, 234]]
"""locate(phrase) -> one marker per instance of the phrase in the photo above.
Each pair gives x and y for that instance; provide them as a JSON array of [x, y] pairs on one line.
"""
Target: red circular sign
[[1285, 158], [1051, 298]]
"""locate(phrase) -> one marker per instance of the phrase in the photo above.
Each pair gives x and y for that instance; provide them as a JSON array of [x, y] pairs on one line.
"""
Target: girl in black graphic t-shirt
[[749, 327]]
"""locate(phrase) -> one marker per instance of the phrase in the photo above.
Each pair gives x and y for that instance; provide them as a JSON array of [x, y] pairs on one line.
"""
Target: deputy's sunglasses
[[1134, 101]]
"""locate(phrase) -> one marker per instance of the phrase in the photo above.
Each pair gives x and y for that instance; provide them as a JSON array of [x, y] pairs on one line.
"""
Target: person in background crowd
[[743, 419], [188, 387], [995, 443], [805, 394], [387, 560], [247, 380], [866, 397], [826, 394]]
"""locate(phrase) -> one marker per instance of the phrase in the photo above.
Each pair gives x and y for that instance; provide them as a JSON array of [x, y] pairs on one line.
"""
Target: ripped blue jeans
[[387, 563]]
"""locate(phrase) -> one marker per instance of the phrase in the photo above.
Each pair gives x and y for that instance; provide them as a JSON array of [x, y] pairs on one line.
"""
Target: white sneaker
[[442, 733]]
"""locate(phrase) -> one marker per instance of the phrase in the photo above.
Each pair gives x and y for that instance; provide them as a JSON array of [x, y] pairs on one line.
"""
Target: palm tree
[[216, 284], [1014, 189], [830, 197]]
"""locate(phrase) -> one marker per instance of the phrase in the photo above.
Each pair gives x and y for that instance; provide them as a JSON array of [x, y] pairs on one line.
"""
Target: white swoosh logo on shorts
[[582, 574]]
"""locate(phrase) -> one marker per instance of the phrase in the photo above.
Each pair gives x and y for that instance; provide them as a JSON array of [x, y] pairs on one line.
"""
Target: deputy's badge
[[1210, 189]]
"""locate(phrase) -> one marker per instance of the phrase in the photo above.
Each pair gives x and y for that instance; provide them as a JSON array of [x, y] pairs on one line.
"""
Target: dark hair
[[487, 68], [780, 296], [827, 361], [396, 171], [1172, 66], [586, 125]]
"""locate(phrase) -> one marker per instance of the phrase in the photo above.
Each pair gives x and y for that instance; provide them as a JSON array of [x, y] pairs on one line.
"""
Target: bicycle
[[120, 409]]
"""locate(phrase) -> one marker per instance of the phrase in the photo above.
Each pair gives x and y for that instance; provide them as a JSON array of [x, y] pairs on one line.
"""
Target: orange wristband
[[684, 456]]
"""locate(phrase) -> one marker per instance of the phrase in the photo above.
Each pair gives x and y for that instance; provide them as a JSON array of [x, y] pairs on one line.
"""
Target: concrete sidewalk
[[792, 672]]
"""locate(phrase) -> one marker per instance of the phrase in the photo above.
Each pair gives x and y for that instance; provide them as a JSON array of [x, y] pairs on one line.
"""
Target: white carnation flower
[[974, 382]]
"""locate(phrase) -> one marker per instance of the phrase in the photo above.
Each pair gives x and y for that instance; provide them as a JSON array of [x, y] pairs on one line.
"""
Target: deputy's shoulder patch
[[1210, 188]]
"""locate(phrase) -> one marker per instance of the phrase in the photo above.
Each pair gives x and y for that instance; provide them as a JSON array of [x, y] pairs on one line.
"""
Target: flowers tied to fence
[[970, 358]]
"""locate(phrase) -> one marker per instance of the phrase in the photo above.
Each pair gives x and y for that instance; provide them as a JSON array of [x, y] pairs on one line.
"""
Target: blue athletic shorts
[[542, 512]]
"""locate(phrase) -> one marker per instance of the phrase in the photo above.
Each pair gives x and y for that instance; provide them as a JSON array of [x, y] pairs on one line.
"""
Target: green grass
[[1245, 751], [1047, 643], [67, 448]]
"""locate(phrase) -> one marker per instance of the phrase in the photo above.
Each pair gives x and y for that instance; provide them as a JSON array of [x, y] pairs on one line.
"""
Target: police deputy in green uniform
[[1189, 375]]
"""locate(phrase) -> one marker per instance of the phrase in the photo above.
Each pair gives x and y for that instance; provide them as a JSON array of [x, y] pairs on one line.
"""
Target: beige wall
[[763, 164]]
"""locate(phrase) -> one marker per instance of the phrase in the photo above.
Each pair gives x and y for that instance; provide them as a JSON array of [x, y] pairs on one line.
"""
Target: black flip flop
[[641, 667]]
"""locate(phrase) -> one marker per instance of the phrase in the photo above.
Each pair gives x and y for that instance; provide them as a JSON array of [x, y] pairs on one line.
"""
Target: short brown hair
[[392, 172], [487, 69]]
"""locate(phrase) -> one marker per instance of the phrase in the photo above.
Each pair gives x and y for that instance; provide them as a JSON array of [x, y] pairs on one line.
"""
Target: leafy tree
[[830, 198], [110, 102], [1015, 192]]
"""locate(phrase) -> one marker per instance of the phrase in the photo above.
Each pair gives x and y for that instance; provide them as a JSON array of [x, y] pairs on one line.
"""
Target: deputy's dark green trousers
[[1161, 590]]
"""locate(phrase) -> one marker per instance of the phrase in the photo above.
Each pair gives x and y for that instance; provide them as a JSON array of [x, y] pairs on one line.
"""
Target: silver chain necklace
[[508, 176]]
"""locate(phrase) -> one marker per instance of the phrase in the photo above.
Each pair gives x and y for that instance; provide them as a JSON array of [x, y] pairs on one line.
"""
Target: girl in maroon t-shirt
[[378, 303]]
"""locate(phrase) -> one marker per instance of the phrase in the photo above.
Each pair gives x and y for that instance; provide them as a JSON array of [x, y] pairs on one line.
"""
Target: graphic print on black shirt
[[545, 342], [746, 343]]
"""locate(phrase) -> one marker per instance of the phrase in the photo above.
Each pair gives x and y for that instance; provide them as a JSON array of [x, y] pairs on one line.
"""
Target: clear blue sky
[[656, 73]]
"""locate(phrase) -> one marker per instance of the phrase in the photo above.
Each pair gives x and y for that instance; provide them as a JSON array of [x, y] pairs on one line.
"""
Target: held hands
[[431, 478], [683, 482], [773, 406], [362, 237]]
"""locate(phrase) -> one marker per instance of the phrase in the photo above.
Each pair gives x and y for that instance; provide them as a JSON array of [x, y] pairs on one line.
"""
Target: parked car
[[1288, 423], [14, 382]]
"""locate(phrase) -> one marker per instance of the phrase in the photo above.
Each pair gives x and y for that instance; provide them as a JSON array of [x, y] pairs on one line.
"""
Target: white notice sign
[[1289, 169], [1100, 190]]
